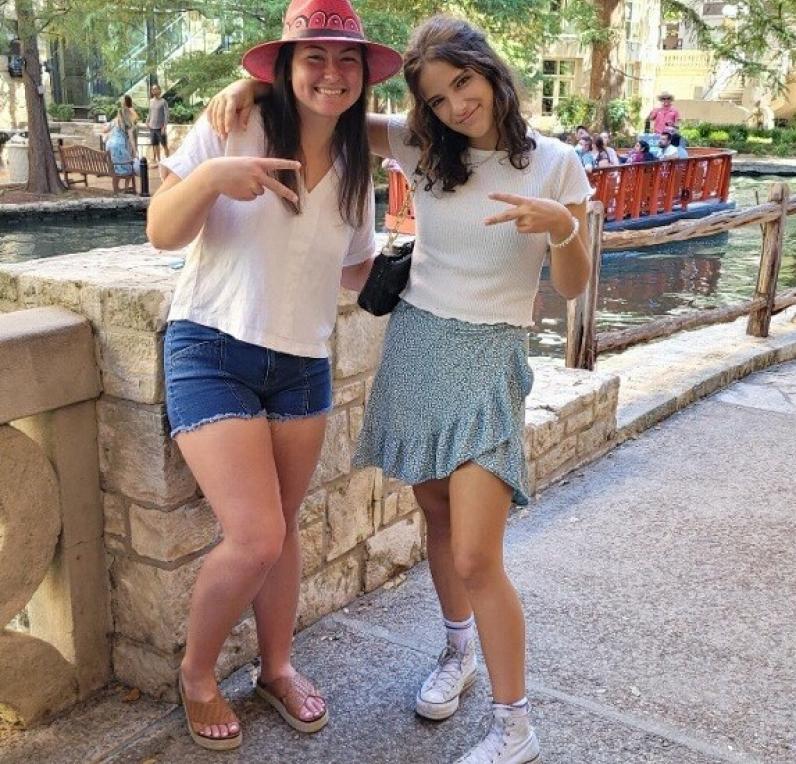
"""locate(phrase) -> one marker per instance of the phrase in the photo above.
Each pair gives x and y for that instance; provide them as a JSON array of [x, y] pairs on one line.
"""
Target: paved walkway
[[660, 590]]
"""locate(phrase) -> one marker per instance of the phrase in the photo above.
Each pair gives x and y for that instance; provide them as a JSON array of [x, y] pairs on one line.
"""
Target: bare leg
[[480, 503], [297, 446], [433, 498], [233, 462]]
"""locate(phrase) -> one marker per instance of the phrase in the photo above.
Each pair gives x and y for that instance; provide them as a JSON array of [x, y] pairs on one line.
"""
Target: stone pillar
[[52, 561]]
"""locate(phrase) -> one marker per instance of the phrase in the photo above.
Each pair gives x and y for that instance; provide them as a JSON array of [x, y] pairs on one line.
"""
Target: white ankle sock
[[460, 632], [521, 703]]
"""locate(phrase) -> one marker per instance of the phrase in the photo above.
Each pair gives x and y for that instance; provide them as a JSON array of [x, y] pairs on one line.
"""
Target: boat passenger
[[612, 155], [585, 149], [641, 153]]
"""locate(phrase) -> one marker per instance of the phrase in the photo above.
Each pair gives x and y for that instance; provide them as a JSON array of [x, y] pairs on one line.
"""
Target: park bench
[[86, 161]]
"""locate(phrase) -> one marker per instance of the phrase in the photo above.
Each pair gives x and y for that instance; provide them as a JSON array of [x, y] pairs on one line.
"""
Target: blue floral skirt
[[448, 392]]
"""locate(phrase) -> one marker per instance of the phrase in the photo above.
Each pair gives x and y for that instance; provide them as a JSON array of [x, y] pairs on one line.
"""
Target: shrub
[[61, 112], [574, 110], [718, 137], [691, 134], [107, 105], [183, 114], [617, 114], [759, 139], [784, 150]]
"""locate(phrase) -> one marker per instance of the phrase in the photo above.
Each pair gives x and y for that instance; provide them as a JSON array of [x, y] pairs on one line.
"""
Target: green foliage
[[61, 112], [623, 114], [617, 113], [202, 75], [748, 40], [691, 134], [106, 105], [743, 139], [574, 110], [184, 114], [718, 137]]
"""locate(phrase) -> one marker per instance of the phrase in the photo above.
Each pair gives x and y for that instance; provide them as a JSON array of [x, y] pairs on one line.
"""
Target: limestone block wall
[[358, 529]]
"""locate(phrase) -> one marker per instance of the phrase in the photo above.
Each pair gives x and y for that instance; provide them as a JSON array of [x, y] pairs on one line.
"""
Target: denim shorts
[[212, 376]]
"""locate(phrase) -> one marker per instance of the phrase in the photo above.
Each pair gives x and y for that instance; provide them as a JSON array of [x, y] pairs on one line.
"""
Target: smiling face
[[463, 100], [327, 77]]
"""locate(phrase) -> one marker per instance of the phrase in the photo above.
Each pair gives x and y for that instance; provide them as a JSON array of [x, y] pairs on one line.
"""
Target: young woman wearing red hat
[[446, 411], [247, 369]]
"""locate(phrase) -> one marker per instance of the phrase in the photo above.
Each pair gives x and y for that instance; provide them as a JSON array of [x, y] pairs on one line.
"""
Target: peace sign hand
[[246, 178], [532, 215]]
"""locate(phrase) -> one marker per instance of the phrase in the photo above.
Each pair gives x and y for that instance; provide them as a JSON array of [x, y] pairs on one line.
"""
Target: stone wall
[[357, 529]]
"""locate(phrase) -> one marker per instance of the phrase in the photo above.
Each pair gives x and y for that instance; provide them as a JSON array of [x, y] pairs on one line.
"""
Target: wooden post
[[581, 335], [760, 318]]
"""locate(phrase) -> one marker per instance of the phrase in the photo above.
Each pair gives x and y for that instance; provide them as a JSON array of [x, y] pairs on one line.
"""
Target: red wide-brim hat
[[322, 21]]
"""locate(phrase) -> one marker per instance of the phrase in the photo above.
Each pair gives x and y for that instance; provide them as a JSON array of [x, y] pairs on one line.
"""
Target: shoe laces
[[449, 668], [490, 748]]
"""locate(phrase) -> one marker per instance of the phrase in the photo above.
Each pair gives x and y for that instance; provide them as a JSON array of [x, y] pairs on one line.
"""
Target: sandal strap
[[212, 712], [294, 692]]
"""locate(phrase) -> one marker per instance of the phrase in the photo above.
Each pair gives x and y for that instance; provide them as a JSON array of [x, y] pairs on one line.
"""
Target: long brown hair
[[282, 126], [443, 38]]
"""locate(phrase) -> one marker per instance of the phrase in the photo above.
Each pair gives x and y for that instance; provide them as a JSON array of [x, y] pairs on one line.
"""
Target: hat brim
[[383, 61]]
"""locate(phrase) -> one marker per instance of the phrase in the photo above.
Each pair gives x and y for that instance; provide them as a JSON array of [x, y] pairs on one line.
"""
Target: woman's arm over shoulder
[[378, 134], [231, 108]]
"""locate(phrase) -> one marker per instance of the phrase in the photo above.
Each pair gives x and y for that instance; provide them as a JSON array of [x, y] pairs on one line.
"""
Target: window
[[558, 81]]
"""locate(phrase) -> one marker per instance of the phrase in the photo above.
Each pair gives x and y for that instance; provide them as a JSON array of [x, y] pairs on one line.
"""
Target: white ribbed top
[[464, 269]]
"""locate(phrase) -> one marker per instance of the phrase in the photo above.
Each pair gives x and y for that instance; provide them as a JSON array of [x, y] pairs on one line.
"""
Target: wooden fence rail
[[584, 344]]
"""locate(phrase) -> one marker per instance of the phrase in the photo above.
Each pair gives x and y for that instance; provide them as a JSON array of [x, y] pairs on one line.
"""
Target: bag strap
[[401, 216]]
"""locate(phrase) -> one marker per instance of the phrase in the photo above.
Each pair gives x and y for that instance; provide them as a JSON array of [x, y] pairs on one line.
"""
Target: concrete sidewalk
[[660, 591]]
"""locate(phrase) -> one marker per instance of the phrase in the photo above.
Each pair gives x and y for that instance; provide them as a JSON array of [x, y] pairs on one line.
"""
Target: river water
[[634, 286]]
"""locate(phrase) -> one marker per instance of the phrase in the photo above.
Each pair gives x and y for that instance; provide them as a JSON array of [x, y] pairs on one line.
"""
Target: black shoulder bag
[[390, 271]]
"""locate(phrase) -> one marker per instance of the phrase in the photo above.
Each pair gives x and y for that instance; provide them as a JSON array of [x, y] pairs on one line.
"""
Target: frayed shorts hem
[[240, 415]]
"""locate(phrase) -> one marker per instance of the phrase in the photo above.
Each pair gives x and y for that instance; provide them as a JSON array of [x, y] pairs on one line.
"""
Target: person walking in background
[[135, 119], [665, 115], [157, 122], [119, 146]]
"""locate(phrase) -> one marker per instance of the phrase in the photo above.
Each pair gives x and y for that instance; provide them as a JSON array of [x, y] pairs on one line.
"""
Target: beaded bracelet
[[569, 239]]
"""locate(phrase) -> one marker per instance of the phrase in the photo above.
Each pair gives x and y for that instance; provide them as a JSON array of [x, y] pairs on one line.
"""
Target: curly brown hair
[[444, 38]]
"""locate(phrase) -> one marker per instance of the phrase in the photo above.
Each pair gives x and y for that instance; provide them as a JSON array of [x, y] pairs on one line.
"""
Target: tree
[[601, 26], [758, 38], [42, 172]]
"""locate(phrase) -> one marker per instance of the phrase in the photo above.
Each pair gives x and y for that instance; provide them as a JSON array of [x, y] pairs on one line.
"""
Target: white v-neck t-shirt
[[464, 269], [256, 270]]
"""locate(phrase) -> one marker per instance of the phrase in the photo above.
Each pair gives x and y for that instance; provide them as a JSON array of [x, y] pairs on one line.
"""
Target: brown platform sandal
[[199, 714], [288, 696]]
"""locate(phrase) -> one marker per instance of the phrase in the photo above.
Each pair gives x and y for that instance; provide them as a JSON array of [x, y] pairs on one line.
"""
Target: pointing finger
[[510, 198], [275, 163], [281, 190]]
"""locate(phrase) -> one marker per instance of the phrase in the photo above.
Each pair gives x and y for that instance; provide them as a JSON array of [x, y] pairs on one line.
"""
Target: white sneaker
[[438, 698], [510, 740]]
